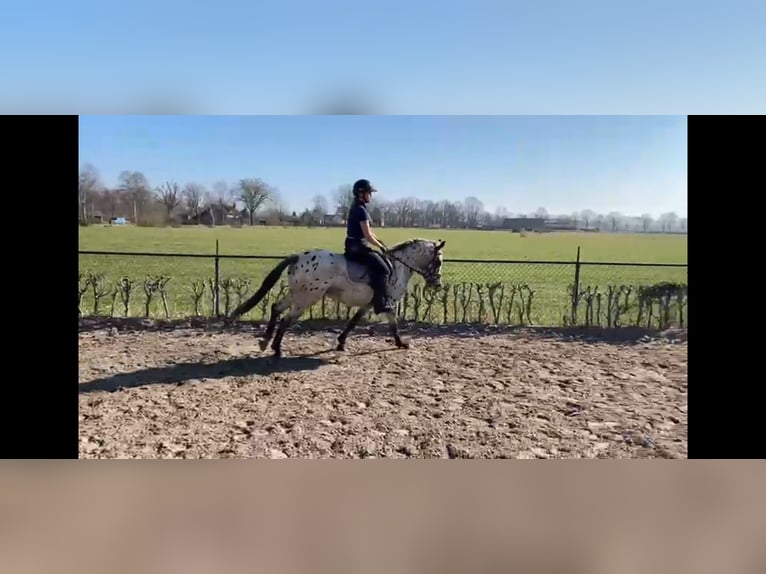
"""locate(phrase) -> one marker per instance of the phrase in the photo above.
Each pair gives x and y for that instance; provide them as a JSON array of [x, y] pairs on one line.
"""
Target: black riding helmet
[[362, 185]]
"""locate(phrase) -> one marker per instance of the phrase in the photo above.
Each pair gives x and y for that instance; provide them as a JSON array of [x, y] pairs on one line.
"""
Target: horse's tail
[[267, 284]]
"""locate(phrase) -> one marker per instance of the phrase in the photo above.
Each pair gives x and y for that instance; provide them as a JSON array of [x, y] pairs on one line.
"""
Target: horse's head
[[425, 256]]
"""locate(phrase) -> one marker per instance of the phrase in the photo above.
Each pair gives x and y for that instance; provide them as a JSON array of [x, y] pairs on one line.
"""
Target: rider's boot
[[380, 300]]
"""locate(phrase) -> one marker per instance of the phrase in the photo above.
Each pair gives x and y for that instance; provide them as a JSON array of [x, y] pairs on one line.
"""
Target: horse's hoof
[[340, 347], [263, 345], [403, 344]]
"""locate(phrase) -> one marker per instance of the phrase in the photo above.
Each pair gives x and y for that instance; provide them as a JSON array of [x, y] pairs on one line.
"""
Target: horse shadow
[[618, 336], [180, 373]]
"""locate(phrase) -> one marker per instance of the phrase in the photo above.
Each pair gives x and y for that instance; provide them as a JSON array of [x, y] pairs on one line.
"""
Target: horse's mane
[[406, 243]]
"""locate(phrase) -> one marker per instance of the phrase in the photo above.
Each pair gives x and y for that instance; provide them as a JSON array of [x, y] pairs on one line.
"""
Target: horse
[[320, 272]]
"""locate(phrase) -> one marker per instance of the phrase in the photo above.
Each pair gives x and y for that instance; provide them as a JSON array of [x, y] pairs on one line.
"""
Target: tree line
[[253, 199]]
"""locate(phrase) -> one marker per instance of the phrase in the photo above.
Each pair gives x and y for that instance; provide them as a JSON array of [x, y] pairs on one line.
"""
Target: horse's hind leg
[[350, 327], [293, 315], [276, 310]]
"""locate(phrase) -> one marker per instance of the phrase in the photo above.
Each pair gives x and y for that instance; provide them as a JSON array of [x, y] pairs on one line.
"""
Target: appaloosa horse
[[319, 272]]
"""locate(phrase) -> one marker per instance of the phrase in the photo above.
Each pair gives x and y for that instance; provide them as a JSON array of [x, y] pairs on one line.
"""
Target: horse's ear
[[440, 245]]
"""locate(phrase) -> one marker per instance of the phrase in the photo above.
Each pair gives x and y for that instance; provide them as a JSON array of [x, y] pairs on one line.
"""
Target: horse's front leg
[[401, 342], [350, 327]]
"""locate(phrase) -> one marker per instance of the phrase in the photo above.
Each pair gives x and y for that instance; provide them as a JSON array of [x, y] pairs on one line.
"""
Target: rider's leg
[[379, 274]]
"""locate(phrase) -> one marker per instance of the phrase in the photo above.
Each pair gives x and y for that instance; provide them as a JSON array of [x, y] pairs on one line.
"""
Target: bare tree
[[426, 210], [614, 218], [221, 192], [133, 193], [575, 219], [646, 222], [598, 220], [406, 209], [588, 216], [169, 195], [276, 208], [319, 208], [194, 198], [253, 192], [672, 219], [279, 205], [344, 198], [453, 214], [457, 209], [473, 208], [441, 213], [667, 221], [218, 197], [136, 187], [89, 184], [110, 201]]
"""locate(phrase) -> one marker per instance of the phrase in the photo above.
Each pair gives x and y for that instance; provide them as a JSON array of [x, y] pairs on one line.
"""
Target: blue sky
[[631, 164], [397, 56]]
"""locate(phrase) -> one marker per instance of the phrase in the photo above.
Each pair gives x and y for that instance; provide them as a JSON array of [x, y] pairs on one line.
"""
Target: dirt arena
[[185, 391]]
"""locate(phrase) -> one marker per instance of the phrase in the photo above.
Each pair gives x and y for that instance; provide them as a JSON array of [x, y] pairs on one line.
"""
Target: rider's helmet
[[362, 185]]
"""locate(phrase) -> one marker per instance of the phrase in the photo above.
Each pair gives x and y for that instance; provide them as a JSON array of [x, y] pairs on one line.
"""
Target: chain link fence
[[543, 293]]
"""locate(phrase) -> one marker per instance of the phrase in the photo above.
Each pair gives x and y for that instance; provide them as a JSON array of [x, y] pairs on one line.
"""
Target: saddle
[[359, 273]]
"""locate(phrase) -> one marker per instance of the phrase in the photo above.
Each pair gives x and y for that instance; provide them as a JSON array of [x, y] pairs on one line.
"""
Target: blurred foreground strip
[[382, 517]]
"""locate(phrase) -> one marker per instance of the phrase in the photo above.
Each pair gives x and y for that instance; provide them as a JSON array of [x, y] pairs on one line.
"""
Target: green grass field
[[549, 282]]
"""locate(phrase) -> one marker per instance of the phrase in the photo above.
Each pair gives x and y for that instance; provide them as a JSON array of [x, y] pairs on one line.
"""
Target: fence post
[[217, 291], [576, 290]]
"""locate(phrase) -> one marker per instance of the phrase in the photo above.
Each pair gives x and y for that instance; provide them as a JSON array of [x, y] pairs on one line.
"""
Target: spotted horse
[[319, 272]]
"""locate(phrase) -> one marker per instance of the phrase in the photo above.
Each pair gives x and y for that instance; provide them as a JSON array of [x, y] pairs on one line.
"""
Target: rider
[[360, 238]]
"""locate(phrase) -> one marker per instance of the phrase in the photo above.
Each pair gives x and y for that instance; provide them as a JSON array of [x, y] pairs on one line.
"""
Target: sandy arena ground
[[206, 392]]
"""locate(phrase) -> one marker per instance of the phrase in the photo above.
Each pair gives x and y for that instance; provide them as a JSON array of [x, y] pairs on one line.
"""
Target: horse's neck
[[405, 271], [408, 255], [405, 256]]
